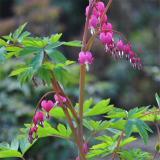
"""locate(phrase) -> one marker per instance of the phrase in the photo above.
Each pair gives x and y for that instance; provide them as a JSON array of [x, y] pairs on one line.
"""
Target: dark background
[[138, 21]]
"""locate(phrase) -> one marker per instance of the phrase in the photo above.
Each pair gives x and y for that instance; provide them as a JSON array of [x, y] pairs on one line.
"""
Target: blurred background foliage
[[138, 21]]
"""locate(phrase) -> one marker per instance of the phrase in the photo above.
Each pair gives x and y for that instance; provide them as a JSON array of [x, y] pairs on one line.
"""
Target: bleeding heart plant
[[35, 52]]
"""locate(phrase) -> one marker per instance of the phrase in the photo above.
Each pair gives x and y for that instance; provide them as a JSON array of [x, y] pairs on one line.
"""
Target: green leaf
[[8, 38], [140, 125], [116, 136], [2, 54], [100, 108], [27, 73], [36, 60], [18, 71], [24, 144], [86, 105], [94, 124], [10, 153], [117, 113], [127, 140], [6, 146], [18, 31], [104, 125], [129, 127], [30, 50], [2, 42], [23, 35], [132, 112], [62, 130], [87, 125], [49, 65], [53, 45], [158, 100], [61, 75], [55, 37], [67, 62], [73, 43], [44, 74], [55, 55]]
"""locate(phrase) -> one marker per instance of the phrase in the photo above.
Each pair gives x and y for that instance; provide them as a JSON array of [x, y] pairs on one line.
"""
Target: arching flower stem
[[89, 44]]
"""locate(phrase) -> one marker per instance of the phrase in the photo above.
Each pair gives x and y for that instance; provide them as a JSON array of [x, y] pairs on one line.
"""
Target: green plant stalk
[[68, 118], [118, 144], [82, 83]]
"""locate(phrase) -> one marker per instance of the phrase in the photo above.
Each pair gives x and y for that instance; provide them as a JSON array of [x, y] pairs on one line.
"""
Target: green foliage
[[61, 75], [47, 130], [7, 150], [100, 108], [158, 100], [135, 154], [24, 144], [55, 55], [27, 73], [3, 53], [140, 125]]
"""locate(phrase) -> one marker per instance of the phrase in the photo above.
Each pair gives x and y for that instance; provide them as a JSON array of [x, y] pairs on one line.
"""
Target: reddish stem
[[155, 155]]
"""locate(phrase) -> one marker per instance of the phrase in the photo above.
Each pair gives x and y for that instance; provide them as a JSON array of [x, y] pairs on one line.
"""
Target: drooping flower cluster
[[47, 106], [106, 36], [38, 116]]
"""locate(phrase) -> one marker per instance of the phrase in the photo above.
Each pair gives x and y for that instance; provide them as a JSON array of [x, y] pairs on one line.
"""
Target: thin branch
[[155, 155], [69, 104], [118, 144], [64, 138], [10, 45], [23, 158], [88, 46], [69, 120], [94, 133], [149, 113], [158, 131]]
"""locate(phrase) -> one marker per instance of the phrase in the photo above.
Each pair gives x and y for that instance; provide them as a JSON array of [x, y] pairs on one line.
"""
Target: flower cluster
[[47, 106], [106, 36]]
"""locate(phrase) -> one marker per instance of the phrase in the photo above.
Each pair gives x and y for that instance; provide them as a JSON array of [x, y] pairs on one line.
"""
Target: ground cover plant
[[35, 54]]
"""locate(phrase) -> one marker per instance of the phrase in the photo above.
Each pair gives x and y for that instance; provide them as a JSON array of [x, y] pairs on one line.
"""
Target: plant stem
[[149, 113], [82, 83], [69, 104], [88, 46], [23, 158], [69, 120], [118, 144], [158, 131], [155, 155], [93, 135], [64, 138]]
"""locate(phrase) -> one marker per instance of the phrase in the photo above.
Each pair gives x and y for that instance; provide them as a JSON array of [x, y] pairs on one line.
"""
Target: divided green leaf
[[61, 75], [3, 53], [44, 74], [56, 55]]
